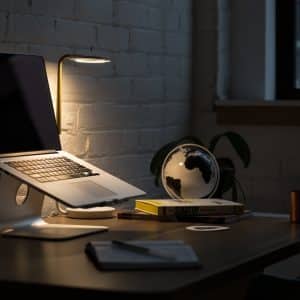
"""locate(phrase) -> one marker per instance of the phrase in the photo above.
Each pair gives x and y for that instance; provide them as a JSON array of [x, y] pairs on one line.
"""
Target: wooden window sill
[[278, 113]]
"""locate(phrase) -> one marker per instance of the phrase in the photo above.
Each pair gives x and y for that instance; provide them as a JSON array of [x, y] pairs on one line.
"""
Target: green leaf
[[237, 142]]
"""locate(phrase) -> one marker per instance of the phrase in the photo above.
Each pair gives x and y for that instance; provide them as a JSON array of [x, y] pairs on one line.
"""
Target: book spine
[[147, 208], [198, 211]]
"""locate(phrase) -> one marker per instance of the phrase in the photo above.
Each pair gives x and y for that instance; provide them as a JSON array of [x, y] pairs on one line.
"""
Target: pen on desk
[[142, 250]]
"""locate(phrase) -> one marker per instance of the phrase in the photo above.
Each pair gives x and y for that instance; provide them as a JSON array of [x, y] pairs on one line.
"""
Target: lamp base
[[101, 212]]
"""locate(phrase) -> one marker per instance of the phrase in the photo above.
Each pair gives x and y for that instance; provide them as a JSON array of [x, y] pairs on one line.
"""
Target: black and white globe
[[190, 171]]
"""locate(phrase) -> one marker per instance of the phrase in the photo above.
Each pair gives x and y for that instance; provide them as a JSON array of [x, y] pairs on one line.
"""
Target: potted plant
[[228, 180]]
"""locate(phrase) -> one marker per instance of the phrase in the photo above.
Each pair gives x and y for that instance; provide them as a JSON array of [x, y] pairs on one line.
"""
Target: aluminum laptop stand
[[21, 211]]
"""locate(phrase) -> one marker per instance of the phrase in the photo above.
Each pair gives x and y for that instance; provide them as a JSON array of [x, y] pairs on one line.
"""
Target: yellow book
[[189, 207]]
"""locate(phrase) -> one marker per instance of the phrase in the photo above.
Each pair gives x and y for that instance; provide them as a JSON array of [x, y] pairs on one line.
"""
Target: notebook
[[31, 151], [171, 254]]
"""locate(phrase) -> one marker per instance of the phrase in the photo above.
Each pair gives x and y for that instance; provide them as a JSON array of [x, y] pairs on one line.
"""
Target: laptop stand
[[21, 214]]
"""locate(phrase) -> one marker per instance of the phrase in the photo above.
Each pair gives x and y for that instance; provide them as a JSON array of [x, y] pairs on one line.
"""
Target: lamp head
[[85, 59], [90, 60]]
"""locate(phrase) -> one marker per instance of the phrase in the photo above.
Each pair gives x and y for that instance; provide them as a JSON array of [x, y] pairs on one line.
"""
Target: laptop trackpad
[[93, 189]]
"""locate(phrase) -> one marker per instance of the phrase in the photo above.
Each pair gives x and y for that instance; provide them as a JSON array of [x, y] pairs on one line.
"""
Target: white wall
[[115, 115]]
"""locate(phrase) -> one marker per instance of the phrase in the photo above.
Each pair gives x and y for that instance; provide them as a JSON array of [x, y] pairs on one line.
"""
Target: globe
[[190, 171]]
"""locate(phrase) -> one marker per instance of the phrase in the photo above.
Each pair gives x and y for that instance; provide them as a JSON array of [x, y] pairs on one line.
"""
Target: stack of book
[[198, 210]]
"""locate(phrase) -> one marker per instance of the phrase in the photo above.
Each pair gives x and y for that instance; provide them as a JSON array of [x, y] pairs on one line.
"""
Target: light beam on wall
[[78, 59]]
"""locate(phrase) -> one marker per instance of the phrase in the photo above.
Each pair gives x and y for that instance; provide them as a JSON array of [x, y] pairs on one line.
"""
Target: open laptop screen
[[27, 121]]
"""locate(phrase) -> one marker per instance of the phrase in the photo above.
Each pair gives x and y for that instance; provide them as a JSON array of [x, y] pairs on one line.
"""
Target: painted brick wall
[[114, 115]]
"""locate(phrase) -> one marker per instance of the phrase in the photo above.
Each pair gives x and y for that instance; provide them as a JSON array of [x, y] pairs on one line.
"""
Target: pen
[[142, 250]]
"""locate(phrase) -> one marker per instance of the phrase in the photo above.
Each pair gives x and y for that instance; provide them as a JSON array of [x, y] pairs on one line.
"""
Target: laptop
[[30, 148]]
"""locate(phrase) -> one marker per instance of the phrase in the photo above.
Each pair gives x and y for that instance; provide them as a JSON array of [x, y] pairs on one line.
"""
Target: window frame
[[284, 110], [286, 50]]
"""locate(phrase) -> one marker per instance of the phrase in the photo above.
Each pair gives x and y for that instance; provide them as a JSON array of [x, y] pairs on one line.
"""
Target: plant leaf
[[234, 192], [159, 157], [237, 142], [238, 184], [227, 175], [157, 179]]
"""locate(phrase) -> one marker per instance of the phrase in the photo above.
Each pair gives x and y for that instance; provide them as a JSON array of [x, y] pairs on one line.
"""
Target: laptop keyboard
[[51, 169]]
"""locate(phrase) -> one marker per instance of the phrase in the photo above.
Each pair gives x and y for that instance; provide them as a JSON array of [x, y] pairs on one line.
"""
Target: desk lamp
[[78, 59], [81, 213]]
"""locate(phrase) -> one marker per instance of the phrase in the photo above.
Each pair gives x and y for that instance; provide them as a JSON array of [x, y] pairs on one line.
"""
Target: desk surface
[[253, 241], [287, 269]]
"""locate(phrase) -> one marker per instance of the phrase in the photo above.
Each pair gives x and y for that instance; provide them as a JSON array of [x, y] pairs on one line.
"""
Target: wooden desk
[[227, 257], [288, 269]]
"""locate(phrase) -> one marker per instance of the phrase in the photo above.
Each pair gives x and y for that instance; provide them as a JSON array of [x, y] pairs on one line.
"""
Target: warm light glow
[[89, 60], [78, 59], [42, 224], [181, 164]]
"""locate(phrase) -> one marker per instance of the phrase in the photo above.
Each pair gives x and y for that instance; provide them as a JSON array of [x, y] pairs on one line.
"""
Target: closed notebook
[[175, 254]]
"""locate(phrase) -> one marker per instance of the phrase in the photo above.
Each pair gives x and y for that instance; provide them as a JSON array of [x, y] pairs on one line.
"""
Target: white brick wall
[[3, 25], [30, 29], [56, 8], [177, 43], [21, 6], [156, 65], [114, 115], [108, 143], [176, 89], [116, 89], [112, 37], [148, 88], [5, 5], [94, 11], [138, 14], [75, 34], [146, 41], [131, 64]]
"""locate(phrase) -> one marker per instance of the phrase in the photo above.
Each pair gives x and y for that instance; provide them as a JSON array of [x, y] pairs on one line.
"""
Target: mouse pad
[[50, 233]]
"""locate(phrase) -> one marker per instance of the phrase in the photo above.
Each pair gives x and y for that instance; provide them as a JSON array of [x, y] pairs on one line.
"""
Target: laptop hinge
[[28, 153]]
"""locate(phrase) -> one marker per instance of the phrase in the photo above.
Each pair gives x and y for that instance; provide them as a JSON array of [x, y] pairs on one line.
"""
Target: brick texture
[[57, 8], [2, 25], [94, 11], [118, 114]]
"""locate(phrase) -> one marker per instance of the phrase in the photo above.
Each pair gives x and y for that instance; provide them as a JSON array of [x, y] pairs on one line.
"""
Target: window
[[246, 53], [262, 54], [259, 62], [288, 49]]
